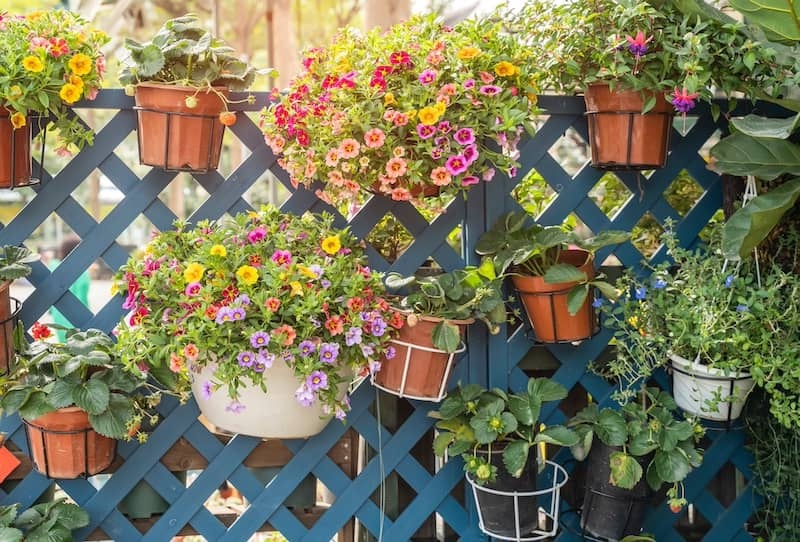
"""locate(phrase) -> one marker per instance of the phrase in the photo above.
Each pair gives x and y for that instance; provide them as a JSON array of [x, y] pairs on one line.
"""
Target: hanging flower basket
[[708, 392], [174, 136], [620, 136], [64, 445], [418, 370], [546, 304]]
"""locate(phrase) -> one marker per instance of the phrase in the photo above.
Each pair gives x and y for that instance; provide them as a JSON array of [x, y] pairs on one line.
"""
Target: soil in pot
[[620, 136], [15, 158], [497, 511], [428, 367], [176, 137], [546, 304], [610, 512], [64, 445]]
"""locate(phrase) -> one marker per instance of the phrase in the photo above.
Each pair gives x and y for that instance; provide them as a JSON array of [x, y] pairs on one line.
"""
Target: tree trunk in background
[[282, 46], [385, 13]]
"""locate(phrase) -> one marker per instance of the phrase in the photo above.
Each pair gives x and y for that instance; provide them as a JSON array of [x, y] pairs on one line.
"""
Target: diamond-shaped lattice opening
[[570, 151], [390, 237], [691, 523], [233, 153], [610, 194], [266, 190], [533, 193], [538, 361], [683, 193], [128, 152], [725, 483], [646, 235], [705, 150]]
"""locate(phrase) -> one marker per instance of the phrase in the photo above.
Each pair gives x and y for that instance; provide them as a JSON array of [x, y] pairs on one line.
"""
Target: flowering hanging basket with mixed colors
[[51, 59], [419, 110], [225, 302]]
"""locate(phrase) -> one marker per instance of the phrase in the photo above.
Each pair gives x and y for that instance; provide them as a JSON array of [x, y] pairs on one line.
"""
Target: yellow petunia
[[32, 64], [80, 64], [218, 250], [70, 93], [440, 107], [306, 272], [331, 245], [388, 99], [76, 80], [18, 120], [193, 272], [114, 288], [505, 69], [247, 274], [467, 53], [297, 288], [428, 116], [15, 91]]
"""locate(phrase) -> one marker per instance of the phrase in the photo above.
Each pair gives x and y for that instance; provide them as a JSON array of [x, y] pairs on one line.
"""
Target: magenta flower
[[470, 153], [257, 235], [683, 100], [456, 164], [444, 127], [192, 289], [427, 77], [469, 180], [490, 90], [282, 257], [424, 131], [317, 381], [464, 136], [638, 45]]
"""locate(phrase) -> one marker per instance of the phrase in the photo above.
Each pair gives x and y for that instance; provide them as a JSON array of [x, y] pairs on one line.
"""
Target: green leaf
[[552, 236], [61, 394], [603, 239], [752, 223], [36, 405], [653, 479], [49, 533], [546, 390], [778, 18], [526, 412], [581, 449], [71, 516], [672, 466], [757, 126], [92, 396], [112, 421], [441, 442], [608, 291], [641, 444], [515, 457], [625, 470], [9, 534], [611, 428], [558, 435], [446, 336], [743, 155], [649, 104], [564, 272], [576, 298], [8, 513]]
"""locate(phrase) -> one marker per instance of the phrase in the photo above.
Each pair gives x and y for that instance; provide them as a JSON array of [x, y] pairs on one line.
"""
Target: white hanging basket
[[275, 414], [547, 500], [707, 392]]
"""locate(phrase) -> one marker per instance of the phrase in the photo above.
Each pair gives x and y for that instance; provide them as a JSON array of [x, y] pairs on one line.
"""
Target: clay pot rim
[[183, 88], [65, 410], [587, 261], [434, 319]]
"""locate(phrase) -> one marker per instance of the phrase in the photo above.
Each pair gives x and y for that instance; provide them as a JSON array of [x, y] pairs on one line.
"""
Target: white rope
[[750, 192]]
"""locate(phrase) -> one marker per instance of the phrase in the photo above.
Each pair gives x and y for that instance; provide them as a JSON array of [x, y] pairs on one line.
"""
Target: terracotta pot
[[418, 370], [546, 304], [64, 445], [621, 137], [175, 137], [9, 309], [15, 153]]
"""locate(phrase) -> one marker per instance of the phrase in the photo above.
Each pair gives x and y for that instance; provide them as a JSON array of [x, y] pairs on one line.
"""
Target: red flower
[[397, 320], [40, 331], [334, 325], [355, 304]]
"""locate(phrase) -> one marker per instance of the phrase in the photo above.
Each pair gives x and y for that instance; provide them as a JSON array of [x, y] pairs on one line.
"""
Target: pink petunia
[[332, 157], [456, 164], [374, 138], [401, 194], [396, 167], [349, 148], [427, 77], [469, 180], [424, 131], [440, 176], [490, 90]]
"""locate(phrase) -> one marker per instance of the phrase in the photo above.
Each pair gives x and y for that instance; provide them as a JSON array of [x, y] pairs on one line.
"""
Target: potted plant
[[14, 264], [553, 272], [498, 434], [432, 317], [264, 312], [639, 61], [417, 111], [633, 452], [52, 521], [75, 398], [51, 60], [181, 79]]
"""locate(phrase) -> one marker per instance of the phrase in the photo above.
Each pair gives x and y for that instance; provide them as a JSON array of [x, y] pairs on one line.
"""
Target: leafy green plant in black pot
[[553, 271], [497, 434], [632, 452], [14, 264]]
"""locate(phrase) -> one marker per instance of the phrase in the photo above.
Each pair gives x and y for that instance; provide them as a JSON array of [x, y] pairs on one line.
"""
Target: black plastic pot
[[610, 512], [498, 511]]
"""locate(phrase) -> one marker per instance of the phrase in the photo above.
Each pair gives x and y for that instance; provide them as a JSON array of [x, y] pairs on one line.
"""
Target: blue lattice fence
[[490, 360]]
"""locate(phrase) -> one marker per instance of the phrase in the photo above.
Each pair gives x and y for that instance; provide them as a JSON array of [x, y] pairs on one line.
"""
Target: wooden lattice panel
[[490, 360]]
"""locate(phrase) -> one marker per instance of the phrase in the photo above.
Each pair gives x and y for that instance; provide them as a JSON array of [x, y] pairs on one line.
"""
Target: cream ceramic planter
[[708, 392]]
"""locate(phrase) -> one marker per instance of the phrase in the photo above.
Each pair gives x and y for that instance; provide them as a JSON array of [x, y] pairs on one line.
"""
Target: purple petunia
[[246, 358], [444, 127], [307, 348], [353, 336], [469, 180], [243, 300], [464, 136], [206, 390], [259, 339], [282, 257], [660, 284], [264, 360], [304, 395], [490, 90], [236, 407], [641, 293], [367, 350], [378, 326], [328, 352], [325, 283], [390, 353], [224, 314], [192, 289], [317, 380], [456, 164], [238, 314]]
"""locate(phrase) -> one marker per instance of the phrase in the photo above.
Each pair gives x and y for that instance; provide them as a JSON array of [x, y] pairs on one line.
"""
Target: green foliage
[[14, 262], [463, 294], [472, 419], [84, 371], [185, 53], [780, 19], [648, 427], [516, 246], [46, 522]]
